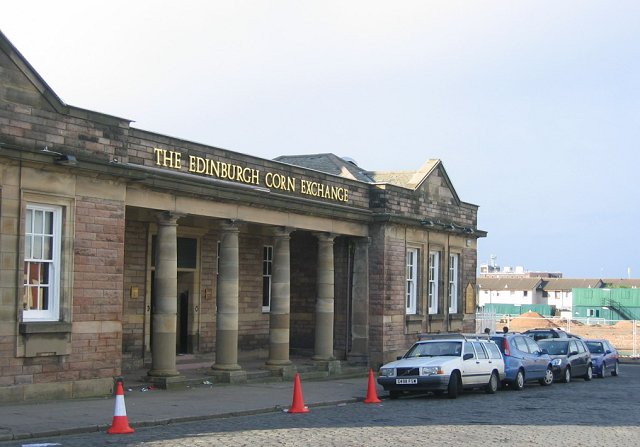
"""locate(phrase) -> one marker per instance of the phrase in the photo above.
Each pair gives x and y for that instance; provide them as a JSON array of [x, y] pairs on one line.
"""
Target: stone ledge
[[44, 327], [57, 390]]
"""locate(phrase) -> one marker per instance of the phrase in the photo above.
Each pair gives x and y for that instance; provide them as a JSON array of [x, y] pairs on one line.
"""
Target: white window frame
[[412, 260], [267, 274], [454, 274], [434, 276], [31, 234]]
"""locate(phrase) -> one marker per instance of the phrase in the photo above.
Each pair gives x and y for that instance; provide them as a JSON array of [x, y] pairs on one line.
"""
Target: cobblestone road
[[603, 412]]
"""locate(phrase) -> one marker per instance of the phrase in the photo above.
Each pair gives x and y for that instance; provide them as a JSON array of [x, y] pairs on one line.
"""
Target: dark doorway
[[182, 336]]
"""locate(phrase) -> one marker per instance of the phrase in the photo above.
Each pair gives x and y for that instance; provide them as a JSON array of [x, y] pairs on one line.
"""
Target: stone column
[[279, 316], [165, 306], [360, 302], [325, 299], [227, 300]]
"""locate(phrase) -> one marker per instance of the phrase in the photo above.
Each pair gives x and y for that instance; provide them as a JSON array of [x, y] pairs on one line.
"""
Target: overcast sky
[[532, 106]]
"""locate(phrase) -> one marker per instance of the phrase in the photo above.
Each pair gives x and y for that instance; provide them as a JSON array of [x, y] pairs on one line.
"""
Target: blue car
[[524, 360], [604, 356]]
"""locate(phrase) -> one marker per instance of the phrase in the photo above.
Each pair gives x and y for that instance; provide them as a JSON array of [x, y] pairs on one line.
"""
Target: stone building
[[121, 247]]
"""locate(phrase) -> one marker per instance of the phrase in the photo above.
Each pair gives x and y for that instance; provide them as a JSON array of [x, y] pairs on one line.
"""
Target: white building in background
[[556, 292], [517, 286], [516, 291], [493, 270]]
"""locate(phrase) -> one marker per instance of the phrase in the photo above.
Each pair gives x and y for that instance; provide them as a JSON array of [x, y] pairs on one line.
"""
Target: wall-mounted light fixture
[[61, 159], [66, 160]]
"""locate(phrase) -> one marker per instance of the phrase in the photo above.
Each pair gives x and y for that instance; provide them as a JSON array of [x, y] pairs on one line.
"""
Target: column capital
[[230, 225], [168, 217], [282, 231], [325, 237]]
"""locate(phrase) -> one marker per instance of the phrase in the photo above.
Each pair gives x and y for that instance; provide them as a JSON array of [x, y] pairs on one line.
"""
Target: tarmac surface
[[146, 405]]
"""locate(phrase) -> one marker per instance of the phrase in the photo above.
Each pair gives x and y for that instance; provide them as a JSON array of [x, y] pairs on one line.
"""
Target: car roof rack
[[452, 335]]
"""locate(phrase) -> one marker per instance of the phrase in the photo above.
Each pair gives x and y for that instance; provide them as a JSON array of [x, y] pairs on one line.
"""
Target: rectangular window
[[412, 281], [267, 265], [42, 243], [434, 276], [453, 282]]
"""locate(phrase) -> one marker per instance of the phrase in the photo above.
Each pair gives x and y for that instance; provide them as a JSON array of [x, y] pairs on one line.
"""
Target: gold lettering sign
[[237, 173], [470, 299]]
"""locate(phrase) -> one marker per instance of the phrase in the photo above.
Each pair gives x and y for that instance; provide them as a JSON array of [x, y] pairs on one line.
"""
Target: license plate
[[406, 381]]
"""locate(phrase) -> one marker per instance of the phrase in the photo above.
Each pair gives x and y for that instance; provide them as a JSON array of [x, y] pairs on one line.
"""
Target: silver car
[[448, 364]]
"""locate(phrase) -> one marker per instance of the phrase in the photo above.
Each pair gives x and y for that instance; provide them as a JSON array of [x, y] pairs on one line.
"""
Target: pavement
[[146, 405]]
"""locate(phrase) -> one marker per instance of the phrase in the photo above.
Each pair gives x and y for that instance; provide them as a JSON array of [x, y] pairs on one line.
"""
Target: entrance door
[[185, 316], [187, 303], [182, 336]]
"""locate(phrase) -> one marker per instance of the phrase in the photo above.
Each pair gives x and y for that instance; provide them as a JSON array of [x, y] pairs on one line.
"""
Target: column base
[[229, 376], [163, 373], [331, 366], [285, 369], [168, 382]]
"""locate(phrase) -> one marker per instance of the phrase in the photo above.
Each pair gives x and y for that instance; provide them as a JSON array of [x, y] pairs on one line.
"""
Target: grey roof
[[570, 283], [406, 179], [347, 168], [509, 283], [632, 283], [328, 163]]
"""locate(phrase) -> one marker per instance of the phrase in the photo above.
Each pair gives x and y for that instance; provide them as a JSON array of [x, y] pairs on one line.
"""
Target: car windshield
[[436, 348], [595, 347], [554, 347]]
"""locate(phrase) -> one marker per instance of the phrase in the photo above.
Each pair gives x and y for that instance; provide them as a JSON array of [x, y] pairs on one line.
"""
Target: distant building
[[494, 271], [607, 304], [516, 295], [517, 291], [558, 292]]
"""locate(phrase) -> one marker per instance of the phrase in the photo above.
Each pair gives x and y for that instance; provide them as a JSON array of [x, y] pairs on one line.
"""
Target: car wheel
[[518, 384], [615, 371], [393, 394], [492, 386], [548, 377], [589, 374], [603, 370], [454, 385], [567, 375]]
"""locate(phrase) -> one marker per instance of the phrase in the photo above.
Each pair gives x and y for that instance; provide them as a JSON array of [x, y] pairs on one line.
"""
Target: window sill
[[436, 317], [44, 327], [45, 338], [413, 317]]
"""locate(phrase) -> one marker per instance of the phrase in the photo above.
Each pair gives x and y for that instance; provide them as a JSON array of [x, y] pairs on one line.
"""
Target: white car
[[450, 363]]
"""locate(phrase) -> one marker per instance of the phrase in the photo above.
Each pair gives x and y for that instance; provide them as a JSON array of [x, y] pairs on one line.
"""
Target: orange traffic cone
[[372, 394], [120, 424], [297, 406]]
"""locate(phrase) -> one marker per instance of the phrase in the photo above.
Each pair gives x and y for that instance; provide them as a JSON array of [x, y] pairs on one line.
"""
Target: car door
[[469, 367], [495, 358], [540, 362], [576, 360], [529, 361], [610, 355], [482, 367], [584, 354]]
